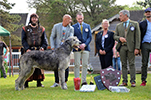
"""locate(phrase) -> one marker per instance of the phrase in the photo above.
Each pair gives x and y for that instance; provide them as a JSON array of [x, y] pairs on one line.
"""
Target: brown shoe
[[133, 84], [123, 84]]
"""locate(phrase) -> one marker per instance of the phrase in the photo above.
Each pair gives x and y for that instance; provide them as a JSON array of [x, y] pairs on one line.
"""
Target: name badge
[[106, 36]]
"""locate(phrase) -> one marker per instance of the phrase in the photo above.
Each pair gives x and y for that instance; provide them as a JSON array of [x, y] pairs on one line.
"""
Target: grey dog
[[57, 59]]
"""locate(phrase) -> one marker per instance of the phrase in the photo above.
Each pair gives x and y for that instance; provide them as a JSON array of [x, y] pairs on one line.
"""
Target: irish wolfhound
[[57, 59]]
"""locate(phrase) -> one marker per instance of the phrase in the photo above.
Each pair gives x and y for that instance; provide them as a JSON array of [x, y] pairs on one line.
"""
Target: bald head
[[66, 16], [66, 20]]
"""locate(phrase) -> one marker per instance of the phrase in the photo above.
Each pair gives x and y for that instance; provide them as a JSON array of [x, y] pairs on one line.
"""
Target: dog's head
[[74, 41]]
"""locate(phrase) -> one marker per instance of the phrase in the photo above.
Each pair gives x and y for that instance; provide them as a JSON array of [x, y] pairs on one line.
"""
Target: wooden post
[[10, 48]]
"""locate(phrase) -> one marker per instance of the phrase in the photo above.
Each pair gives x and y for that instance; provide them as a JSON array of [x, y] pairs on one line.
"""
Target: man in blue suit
[[83, 33]]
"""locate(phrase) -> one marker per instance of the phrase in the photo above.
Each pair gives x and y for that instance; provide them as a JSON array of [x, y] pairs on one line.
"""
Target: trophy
[[90, 71]]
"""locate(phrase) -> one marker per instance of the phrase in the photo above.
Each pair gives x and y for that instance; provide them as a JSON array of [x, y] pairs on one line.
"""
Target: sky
[[22, 7], [126, 2]]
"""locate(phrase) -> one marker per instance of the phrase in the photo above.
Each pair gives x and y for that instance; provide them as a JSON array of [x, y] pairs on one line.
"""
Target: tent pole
[[11, 55]]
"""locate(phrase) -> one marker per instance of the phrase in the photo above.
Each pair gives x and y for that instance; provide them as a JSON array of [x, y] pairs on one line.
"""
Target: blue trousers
[[116, 60]]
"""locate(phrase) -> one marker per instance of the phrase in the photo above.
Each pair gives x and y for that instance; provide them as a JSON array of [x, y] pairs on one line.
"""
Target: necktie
[[125, 25], [81, 28]]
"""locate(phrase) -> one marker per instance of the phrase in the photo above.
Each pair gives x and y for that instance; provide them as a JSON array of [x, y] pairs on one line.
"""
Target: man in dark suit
[[127, 34], [145, 27], [83, 33]]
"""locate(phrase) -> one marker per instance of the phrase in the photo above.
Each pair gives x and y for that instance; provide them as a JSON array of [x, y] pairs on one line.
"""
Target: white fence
[[15, 59]]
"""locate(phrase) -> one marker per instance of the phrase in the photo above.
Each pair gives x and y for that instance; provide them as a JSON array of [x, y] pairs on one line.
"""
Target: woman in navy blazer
[[104, 44]]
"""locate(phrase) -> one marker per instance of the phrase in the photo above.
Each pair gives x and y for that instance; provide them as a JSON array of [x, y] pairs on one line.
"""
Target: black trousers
[[57, 77], [105, 60]]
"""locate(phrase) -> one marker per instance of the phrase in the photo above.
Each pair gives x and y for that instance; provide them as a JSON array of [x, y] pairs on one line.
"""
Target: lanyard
[[63, 35]]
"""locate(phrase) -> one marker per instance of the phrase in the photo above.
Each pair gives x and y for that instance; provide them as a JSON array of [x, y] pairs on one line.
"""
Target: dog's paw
[[64, 88], [22, 88], [17, 89]]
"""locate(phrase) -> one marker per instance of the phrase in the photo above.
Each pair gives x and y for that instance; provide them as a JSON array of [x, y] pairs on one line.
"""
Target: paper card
[[88, 88]]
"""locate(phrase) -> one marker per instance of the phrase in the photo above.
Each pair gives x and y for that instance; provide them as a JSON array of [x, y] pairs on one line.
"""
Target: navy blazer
[[108, 44], [143, 28], [86, 37]]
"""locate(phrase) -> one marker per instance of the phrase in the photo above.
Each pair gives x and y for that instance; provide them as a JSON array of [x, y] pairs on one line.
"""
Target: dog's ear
[[67, 40]]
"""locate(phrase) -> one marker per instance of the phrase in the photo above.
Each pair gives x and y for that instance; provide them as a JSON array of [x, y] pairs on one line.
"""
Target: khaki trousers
[[84, 55], [125, 55]]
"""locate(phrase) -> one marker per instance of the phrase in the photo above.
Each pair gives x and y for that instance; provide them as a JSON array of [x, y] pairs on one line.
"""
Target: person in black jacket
[[104, 45], [34, 38], [145, 28]]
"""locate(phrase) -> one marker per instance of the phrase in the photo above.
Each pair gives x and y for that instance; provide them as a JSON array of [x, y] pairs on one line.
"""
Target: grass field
[[7, 91]]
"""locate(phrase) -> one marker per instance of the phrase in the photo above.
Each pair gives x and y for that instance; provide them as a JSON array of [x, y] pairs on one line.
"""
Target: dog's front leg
[[62, 78]]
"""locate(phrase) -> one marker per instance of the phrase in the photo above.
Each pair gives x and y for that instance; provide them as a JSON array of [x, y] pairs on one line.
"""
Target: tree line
[[52, 11]]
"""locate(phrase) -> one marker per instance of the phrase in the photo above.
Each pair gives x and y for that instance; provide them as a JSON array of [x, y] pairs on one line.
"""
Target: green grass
[[7, 91]]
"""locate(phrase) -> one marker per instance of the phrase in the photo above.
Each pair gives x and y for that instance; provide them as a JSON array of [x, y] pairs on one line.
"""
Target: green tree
[[7, 20], [146, 3], [134, 6], [94, 10]]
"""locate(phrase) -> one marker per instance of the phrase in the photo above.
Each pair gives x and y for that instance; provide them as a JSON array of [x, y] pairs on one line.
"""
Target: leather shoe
[[133, 84], [84, 83], [143, 83], [123, 84], [5, 76]]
